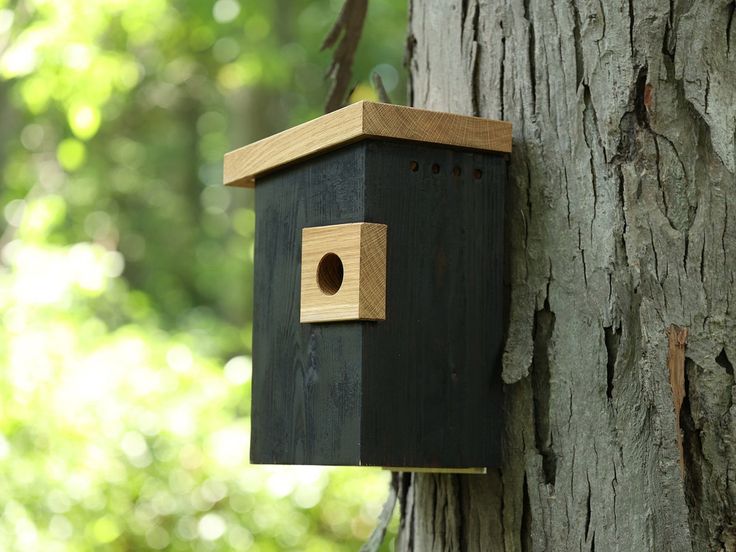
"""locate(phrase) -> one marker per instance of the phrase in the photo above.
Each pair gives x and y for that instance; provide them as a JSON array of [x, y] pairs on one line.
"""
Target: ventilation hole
[[413, 166], [435, 168], [456, 171], [329, 274], [477, 173]]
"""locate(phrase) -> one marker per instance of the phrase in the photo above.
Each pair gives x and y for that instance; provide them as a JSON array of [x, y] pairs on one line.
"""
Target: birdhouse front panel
[[306, 402], [378, 316]]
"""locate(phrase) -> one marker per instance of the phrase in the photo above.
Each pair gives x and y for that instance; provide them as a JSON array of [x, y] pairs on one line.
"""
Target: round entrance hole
[[329, 274]]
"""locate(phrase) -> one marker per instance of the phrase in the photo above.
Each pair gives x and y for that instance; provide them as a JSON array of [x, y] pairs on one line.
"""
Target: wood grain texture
[[360, 121], [372, 302], [361, 294], [326, 132], [435, 127]]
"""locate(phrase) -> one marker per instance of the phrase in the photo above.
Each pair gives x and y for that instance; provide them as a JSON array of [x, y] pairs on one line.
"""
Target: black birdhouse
[[378, 318]]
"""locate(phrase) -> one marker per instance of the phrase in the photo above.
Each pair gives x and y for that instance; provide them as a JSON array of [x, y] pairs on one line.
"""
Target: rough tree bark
[[621, 231]]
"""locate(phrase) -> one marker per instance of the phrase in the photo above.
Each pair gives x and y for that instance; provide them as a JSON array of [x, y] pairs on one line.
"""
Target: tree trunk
[[621, 260]]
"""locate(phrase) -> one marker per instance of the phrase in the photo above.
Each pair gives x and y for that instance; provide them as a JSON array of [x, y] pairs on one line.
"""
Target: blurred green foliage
[[125, 272]]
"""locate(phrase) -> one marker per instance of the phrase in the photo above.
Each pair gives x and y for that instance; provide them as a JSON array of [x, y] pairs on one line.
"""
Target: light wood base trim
[[478, 471]]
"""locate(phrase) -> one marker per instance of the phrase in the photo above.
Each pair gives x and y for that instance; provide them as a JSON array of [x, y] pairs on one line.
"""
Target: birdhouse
[[378, 300]]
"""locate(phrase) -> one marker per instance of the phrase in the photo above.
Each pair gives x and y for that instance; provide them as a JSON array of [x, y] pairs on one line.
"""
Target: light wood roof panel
[[360, 121]]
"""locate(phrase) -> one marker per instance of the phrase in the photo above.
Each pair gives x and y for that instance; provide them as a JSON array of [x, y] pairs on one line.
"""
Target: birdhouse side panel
[[432, 394]]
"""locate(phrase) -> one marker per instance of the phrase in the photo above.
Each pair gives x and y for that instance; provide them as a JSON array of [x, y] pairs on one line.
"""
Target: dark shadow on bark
[[544, 325], [723, 362], [526, 520], [613, 338]]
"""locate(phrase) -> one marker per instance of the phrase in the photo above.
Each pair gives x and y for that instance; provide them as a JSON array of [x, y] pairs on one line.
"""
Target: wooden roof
[[357, 122]]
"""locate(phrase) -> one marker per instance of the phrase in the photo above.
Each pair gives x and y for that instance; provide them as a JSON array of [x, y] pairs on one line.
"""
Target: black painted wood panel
[[421, 388], [306, 377], [431, 385]]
